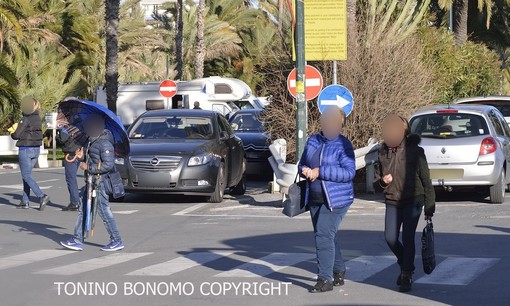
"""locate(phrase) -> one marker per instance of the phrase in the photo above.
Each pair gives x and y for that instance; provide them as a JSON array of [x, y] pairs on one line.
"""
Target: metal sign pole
[[301, 114]]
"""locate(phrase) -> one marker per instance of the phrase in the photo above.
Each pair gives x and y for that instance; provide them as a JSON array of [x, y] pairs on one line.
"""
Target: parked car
[[247, 125], [502, 103], [189, 152], [466, 146]]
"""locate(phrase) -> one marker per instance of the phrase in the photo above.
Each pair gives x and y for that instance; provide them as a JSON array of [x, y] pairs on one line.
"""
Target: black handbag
[[113, 185], [295, 203], [427, 248]]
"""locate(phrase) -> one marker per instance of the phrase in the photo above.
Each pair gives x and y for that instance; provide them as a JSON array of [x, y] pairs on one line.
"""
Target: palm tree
[[461, 13], [199, 45], [179, 37], [112, 57], [8, 85]]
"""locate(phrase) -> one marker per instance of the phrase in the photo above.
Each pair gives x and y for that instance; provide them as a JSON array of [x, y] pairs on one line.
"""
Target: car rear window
[[174, 127], [449, 125]]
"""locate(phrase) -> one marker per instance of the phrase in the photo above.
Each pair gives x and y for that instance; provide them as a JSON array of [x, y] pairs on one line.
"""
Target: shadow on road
[[357, 243], [39, 229]]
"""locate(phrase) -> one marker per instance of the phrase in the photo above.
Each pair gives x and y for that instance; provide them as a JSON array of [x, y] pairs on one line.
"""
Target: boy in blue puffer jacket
[[100, 160]]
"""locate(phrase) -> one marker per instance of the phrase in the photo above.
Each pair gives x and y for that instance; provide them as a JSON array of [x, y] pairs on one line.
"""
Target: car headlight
[[201, 159], [119, 161]]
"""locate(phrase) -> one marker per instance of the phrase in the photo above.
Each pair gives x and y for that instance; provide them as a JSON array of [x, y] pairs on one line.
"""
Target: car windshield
[[449, 125], [242, 104], [502, 105], [174, 127], [246, 122]]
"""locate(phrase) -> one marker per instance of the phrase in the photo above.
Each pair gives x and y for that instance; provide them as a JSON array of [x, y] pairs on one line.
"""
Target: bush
[[384, 77], [460, 71]]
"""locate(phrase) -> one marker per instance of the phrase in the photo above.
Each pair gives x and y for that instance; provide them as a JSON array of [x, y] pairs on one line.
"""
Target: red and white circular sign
[[168, 88], [313, 82]]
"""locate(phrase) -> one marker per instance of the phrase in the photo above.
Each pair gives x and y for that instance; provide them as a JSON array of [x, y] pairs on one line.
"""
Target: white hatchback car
[[466, 146]]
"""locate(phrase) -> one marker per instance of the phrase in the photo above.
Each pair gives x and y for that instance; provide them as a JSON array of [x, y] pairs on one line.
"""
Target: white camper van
[[213, 93]]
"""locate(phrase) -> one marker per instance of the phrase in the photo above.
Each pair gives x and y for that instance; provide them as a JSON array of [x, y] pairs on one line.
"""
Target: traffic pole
[[301, 114]]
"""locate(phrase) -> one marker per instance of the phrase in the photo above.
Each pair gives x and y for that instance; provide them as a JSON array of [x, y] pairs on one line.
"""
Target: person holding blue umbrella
[[99, 161]]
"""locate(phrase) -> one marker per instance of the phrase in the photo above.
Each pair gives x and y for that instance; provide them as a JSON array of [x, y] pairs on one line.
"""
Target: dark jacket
[[29, 131], [69, 145], [337, 168], [411, 179], [100, 154]]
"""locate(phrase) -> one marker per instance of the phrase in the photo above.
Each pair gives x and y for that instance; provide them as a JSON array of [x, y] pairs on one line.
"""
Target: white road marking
[[124, 212], [93, 264], [363, 267], [190, 209], [180, 264], [457, 271], [30, 257], [20, 186], [267, 265]]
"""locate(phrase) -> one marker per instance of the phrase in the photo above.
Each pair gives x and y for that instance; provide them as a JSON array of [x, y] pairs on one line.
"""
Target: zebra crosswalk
[[449, 271]]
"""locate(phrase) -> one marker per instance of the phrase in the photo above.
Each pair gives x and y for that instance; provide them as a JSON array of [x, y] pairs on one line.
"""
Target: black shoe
[[44, 200], [23, 205], [338, 278], [406, 281], [322, 286], [399, 279], [71, 207]]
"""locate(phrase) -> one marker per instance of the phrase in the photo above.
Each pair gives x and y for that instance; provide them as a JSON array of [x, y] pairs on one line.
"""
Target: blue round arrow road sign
[[336, 95]]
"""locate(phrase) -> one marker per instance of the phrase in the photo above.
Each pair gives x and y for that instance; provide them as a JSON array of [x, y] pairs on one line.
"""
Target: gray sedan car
[[187, 152], [466, 146]]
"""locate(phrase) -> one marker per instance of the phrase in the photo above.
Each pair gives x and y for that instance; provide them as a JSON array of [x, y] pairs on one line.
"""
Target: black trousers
[[407, 218]]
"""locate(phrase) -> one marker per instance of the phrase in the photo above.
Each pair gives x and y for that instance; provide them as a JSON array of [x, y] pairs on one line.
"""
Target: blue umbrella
[[72, 112]]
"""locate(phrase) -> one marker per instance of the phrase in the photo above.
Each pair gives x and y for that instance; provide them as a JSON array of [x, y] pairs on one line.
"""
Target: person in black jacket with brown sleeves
[[28, 134], [403, 176], [71, 163]]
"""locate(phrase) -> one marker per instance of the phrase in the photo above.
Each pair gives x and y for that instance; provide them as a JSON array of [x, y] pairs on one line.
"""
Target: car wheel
[[497, 192], [240, 189], [219, 190]]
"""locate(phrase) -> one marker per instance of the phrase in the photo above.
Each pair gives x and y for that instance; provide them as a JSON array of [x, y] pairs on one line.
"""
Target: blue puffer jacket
[[337, 170], [101, 150]]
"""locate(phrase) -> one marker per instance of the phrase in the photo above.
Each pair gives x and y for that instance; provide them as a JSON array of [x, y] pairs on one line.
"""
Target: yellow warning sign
[[325, 30]]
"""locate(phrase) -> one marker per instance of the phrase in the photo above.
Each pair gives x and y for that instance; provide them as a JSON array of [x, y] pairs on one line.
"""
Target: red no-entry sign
[[168, 88], [313, 82]]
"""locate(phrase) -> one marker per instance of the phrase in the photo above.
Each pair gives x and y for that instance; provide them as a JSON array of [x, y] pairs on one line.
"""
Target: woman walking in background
[[28, 133], [328, 165], [403, 176]]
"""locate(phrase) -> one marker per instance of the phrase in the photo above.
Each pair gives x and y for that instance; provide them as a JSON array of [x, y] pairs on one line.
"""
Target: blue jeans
[[27, 158], [103, 208], [325, 227], [71, 169], [407, 217]]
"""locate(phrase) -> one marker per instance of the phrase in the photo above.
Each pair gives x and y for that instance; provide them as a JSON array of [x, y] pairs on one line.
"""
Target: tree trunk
[[352, 25], [460, 22], [112, 48], [199, 46], [178, 41]]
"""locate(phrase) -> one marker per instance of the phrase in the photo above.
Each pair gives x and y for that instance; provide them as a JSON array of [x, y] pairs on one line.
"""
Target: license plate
[[154, 179], [446, 174]]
